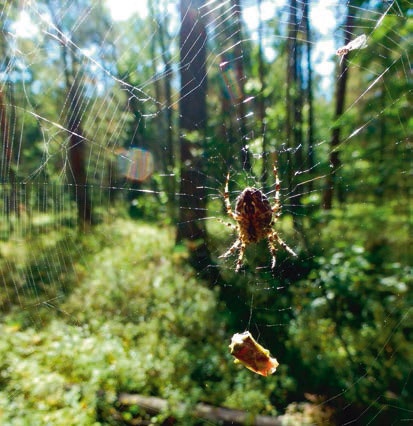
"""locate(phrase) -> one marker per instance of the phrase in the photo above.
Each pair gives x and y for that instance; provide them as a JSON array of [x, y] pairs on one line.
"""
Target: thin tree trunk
[[294, 116], [170, 154], [76, 152], [76, 144], [226, 128], [240, 75], [291, 80], [192, 122], [298, 95], [310, 117], [261, 101], [8, 175], [77, 158], [380, 191], [167, 154], [335, 137], [7, 169]]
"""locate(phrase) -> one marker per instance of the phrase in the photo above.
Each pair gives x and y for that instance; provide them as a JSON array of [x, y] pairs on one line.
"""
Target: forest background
[[116, 140]]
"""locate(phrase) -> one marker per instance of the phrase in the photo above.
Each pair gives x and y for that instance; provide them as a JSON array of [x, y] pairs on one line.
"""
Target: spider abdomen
[[253, 231], [254, 215]]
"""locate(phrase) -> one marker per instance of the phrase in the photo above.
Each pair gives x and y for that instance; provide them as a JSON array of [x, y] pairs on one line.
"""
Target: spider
[[254, 218]]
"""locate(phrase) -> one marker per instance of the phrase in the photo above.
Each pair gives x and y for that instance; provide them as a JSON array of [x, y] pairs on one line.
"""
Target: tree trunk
[[192, 122], [291, 79], [240, 75], [335, 137], [77, 159], [310, 117], [7, 173], [76, 152], [170, 152], [8, 178], [76, 144], [261, 102], [294, 110], [298, 94], [167, 153]]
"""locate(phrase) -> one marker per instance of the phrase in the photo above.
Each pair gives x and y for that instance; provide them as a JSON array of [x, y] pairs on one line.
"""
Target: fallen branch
[[208, 412]]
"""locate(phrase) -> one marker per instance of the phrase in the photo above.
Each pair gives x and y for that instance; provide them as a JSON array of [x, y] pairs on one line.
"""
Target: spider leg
[[273, 251], [238, 243], [277, 205], [273, 238], [227, 201], [283, 244], [232, 249], [240, 256]]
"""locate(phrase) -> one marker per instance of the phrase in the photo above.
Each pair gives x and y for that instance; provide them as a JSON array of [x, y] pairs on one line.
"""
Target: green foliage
[[33, 266], [137, 320], [86, 317], [352, 327], [382, 229]]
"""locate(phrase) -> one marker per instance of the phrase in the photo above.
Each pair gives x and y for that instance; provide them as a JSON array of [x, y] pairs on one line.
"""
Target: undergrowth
[[133, 318]]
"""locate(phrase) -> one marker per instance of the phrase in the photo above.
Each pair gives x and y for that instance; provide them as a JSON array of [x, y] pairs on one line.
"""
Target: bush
[[351, 330], [138, 320]]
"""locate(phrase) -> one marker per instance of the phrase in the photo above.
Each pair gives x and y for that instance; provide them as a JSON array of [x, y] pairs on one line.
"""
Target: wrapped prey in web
[[358, 43], [251, 354]]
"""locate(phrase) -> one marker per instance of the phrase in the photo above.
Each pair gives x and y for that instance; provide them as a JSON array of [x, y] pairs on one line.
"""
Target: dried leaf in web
[[252, 355]]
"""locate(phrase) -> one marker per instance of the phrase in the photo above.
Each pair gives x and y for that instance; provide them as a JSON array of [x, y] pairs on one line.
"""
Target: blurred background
[[119, 123]]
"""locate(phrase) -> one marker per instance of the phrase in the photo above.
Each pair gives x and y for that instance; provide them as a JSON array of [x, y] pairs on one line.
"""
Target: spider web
[[78, 79]]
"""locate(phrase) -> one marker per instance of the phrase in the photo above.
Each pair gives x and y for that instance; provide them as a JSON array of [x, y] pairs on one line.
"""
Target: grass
[[86, 317], [114, 311]]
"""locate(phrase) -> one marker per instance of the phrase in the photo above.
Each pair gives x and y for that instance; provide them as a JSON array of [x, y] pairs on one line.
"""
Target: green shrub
[[351, 329], [137, 320]]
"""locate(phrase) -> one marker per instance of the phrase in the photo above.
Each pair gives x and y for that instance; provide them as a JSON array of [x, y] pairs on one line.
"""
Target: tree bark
[[261, 101], [240, 75], [7, 165], [291, 78], [170, 151], [339, 109], [192, 122], [310, 117], [8, 176], [77, 149], [294, 117], [76, 152]]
